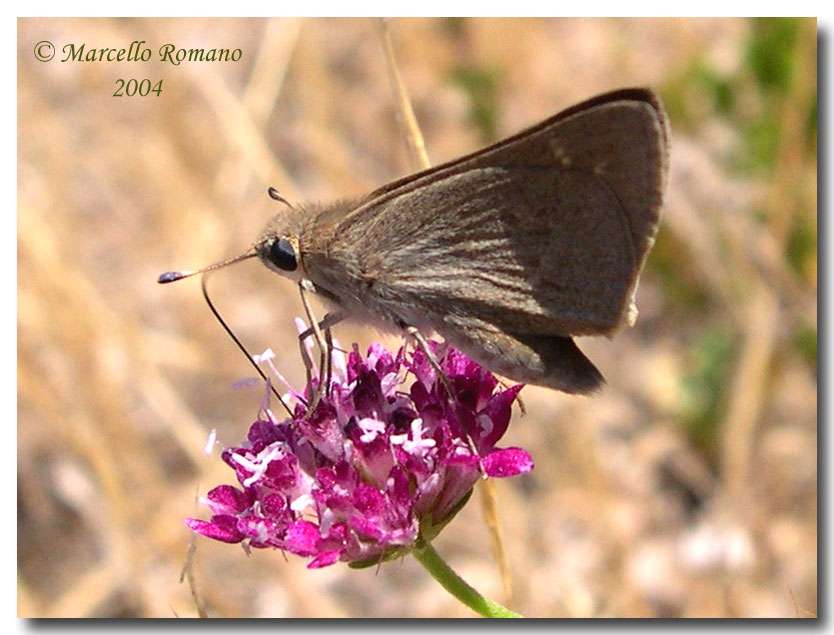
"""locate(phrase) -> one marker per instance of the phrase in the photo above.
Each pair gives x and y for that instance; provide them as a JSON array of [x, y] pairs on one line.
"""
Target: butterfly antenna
[[173, 276], [275, 195], [239, 343]]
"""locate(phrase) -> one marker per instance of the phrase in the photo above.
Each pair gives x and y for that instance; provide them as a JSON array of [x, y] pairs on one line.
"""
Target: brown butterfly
[[508, 252]]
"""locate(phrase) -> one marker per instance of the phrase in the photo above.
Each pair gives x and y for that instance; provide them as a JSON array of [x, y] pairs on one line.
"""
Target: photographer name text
[[139, 52]]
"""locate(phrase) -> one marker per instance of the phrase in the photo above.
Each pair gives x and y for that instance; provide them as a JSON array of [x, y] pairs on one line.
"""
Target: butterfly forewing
[[508, 246], [511, 250]]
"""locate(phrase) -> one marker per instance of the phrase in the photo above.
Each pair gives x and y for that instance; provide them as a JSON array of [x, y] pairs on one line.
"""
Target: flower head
[[374, 467]]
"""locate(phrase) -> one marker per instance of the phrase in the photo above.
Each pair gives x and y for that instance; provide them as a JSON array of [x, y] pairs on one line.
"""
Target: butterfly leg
[[441, 375], [328, 375], [319, 338], [433, 361], [330, 319], [324, 340], [308, 361], [521, 405]]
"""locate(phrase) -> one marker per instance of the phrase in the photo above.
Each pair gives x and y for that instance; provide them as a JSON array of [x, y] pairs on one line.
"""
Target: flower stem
[[454, 584]]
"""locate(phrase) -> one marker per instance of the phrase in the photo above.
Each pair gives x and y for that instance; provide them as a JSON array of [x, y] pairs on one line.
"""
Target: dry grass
[[687, 488]]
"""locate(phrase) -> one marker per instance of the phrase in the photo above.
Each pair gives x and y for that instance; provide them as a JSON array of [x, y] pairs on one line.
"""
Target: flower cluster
[[374, 467]]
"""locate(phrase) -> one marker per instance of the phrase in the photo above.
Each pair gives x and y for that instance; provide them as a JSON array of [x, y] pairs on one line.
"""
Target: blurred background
[[687, 488]]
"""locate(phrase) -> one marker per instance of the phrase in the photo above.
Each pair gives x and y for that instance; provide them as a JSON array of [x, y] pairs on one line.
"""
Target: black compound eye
[[282, 255]]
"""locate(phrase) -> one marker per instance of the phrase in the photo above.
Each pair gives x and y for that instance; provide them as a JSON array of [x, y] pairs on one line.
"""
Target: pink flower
[[374, 467]]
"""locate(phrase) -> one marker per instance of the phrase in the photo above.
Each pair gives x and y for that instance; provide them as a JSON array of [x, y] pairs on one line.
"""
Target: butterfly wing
[[542, 251], [621, 136], [509, 251]]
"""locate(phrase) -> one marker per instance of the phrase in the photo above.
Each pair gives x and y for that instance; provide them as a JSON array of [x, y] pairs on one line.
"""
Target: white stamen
[[212, 439], [371, 428], [418, 446], [263, 357], [259, 464], [301, 503]]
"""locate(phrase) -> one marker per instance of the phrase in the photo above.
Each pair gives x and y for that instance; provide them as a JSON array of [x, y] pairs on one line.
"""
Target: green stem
[[454, 584]]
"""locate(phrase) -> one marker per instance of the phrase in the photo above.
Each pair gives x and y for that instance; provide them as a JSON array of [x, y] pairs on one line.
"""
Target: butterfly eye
[[282, 255]]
